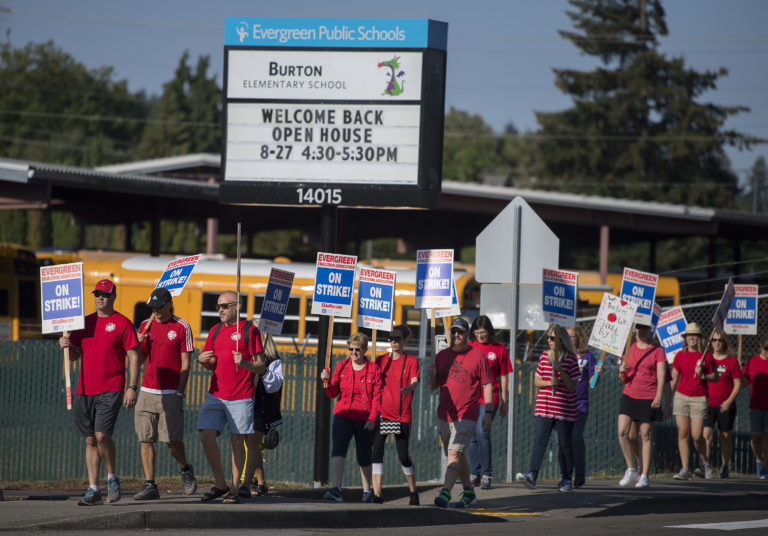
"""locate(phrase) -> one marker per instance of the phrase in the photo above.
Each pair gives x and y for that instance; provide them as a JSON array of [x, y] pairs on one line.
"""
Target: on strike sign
[[177, 274], [61, 290], [375, 294], [742, 316], [559, 297], [334, 281], [672, 324], [434, 278], [275, 301], [640, 288], [611, 329]]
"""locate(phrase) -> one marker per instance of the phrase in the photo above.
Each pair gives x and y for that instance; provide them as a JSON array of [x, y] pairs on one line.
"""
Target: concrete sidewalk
[[305, 508]]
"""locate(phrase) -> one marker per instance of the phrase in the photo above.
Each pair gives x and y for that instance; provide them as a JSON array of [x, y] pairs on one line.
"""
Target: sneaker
[[468, 498], [475, 479], [699, 472], [724, 473], [377, 499], [485, 483], [189, 480], [709, 472], [763, 476], [643, 482], [759, 468], [334, 494], [579, 481], [684, 474], [368, 496], [113, 490], [526, 479], [565, 485], [149, 491], [629, 477], [443, 498], [91, 498], [414, 500]]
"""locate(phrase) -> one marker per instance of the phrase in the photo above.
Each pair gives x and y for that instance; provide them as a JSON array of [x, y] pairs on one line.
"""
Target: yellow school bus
[[136, 275], [19, 293]]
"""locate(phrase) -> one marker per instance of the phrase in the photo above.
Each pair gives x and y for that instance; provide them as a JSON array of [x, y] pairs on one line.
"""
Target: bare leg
[[365, 476], [148, 459], [376, 484], [93, 460], [624, 426], [697, 429], [458, 467], [411, 483], [238, 458], [179, 453], [213, 455], [634, 441], [646, 431], [254, 465], [107, 451], [726, 447], [708, 433], [683, 433]]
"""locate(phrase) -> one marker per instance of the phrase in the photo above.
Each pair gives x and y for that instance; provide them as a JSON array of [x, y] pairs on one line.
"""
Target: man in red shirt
[[103, 344], [166, 341], [756, 377], [230, 397], [464, 379]]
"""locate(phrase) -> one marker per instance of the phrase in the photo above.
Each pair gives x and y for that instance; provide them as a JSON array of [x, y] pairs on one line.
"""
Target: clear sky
[[500, 52]]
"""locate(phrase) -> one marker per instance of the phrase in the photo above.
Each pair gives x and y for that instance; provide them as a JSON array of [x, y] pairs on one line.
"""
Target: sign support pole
[[68, 374], [516, 218], [328, 239]]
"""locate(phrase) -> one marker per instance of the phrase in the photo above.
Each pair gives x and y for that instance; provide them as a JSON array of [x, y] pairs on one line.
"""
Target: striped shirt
[[557, 403]]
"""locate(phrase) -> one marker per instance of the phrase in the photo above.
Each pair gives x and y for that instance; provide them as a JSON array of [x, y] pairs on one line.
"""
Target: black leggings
[[401, 442]]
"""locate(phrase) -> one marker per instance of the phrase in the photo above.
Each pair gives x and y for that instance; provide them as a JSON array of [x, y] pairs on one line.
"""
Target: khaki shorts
[[159, 417], [690, 406], [456, 435]]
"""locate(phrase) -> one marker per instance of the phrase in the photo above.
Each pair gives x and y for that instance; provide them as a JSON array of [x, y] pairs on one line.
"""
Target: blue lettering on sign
[[742, 311], [61, 299], [669, 335], [559, 298], [275, 302], [642, 295], [334, 286], [374, 300], [434, 279]]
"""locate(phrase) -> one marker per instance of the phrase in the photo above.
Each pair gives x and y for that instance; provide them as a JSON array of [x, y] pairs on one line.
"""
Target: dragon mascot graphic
[[393, 87]]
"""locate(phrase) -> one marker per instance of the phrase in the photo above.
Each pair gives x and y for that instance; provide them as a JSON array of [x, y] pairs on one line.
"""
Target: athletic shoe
[[578, 481], [148, 492], [709, 472], [699, 472], [485, 483], [643, 482], [113, 490], [759, 468], [443, 498], [565, 485], [468, 498], [475, 479], [763, 476], [684, 474], [91, 498], [414, 500], [377, 499], [189, 480], [526, 479], [629, 477], [724, 473], [334, 494], [368, 497]]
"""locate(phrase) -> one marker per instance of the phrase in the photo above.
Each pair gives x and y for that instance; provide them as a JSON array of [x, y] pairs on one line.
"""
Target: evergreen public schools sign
[[344, 112]]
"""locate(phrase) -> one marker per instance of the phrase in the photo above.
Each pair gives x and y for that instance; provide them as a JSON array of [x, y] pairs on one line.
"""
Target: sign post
[[61, 292]]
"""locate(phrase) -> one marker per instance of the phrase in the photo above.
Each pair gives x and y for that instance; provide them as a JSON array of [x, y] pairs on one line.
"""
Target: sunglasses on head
[[395, 338], [222, 306], [101, 294]]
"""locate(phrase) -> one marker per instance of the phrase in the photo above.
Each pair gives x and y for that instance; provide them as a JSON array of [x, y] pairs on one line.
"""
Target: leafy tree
[[469, 147], [187, 117], [637, 127]]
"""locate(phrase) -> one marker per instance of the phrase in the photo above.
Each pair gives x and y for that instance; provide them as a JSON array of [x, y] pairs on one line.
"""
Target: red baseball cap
[[105, 285]]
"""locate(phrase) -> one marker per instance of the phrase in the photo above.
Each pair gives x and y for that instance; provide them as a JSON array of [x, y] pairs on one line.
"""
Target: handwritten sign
[[334, 281], [611, 329], [434, 278], [375, 295], [742, 315], [275, 301], [671, 325], [176, 274], [718, 320], [640, 288], [559, 296], [61, 291]]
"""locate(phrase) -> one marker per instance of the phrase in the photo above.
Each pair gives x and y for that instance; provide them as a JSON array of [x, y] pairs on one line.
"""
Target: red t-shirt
[[359, 391], [642, 365], [685, 364], [498, 361], [727, 370], [560, 404], [163, 346], [461, 378], [395, 378], [104, 341], [230, 382], [756, 374]]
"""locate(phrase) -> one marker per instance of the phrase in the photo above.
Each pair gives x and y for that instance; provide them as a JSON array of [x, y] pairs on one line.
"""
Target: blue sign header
[[336, 33]]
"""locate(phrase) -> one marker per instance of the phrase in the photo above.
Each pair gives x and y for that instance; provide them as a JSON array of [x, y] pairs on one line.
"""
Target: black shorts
[[96, 413], [639, 410], [724, 420]]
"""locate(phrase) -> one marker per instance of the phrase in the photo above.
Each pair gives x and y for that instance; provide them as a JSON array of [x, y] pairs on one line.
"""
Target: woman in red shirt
[[721, 396], [400, 375], [357, 384], [690, 369]]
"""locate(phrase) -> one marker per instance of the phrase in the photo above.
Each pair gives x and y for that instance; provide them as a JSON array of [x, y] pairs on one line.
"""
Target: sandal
[[230, 498], [215, 493], [260, 490], [244, 491]]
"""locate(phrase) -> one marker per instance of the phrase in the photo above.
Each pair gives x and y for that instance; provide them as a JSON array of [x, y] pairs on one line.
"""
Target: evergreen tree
[[469, 147], [637, 127]]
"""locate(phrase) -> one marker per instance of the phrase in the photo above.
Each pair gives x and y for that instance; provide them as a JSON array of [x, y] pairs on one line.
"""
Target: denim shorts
[[216, 412]]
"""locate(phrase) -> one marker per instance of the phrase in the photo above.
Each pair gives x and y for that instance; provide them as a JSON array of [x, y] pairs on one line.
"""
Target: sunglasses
[[100, 294], [223, 306], [355, 350], [551, 338], [395, 339], [717, 340], [455, 332]]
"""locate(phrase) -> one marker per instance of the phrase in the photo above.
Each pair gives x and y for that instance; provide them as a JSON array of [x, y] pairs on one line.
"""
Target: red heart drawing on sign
[[623, 303], [611, 317]]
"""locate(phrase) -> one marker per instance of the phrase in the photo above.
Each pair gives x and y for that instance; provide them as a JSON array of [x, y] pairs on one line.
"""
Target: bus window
[[412, 318], [258, 303], [292, 317], [5, 308], [28, 301], [342, 328], [209, 316]]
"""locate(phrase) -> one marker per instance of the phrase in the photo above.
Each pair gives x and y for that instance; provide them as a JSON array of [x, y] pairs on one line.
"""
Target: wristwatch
[[134, 387]]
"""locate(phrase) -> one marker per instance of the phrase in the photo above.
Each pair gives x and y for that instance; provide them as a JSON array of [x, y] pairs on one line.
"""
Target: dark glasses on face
[[100, 294], [354, 350], [455, 332], [222, 306], [551, 338], [717, 340], [395, 339]]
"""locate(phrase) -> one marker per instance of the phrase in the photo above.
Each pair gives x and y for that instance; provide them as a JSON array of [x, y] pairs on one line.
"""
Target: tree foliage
[[637, 127]]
